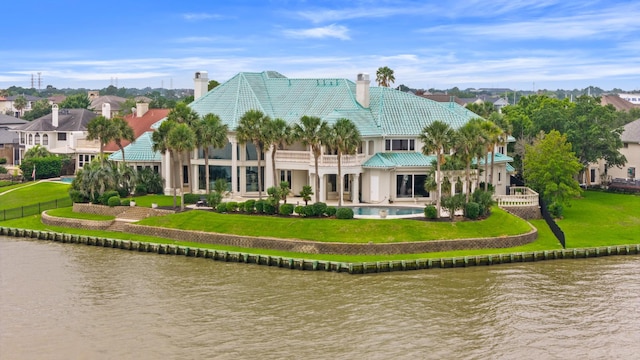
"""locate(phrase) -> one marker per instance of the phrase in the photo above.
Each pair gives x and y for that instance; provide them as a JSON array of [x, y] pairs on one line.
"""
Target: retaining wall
[[113, 211], [302, 264], [76, 223], [525, 212]]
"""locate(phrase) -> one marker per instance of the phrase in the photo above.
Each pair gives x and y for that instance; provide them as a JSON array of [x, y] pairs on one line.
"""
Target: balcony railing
[[518, 196], [306, 158]]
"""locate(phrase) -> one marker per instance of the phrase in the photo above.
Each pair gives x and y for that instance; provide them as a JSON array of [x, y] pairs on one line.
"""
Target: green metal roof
[[510, 169], [140, 150], [398, 159], [391, 112], [498, 158]]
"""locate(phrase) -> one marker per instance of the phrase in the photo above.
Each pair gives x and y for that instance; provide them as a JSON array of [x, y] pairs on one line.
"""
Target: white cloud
[[330, 31], [199, 16]]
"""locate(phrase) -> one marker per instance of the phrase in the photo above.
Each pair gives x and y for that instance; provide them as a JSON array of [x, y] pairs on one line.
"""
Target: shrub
[[556, 209], [241, 207], [260, 206], [191, 198], [77, 197], [331, 211], [484, 200], [214, 199], [269, 208], [318, 209], [232, 206], [344, 213], [472, 210], [3, 170], [46, 167], [140, 189], [430, 212], [249, 206], [286, 209], [125, 202], [222, 207], [114, 201], [306, 193], [122, 192], [3, 160], [299, 210], [104, 198]]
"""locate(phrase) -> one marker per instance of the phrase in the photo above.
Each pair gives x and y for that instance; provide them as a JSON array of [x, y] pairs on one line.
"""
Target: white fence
[[518, 196]]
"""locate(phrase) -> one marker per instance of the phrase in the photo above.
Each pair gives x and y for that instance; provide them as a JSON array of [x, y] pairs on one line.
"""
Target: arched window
[[37, 139], [45, 139], [30, 139]]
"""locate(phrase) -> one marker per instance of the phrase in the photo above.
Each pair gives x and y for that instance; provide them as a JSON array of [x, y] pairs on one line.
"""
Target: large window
[[62, 136], [410, 186], [37, 139], [250, 152], [215, 173], [84, 159], [217, 153], [400, 145]]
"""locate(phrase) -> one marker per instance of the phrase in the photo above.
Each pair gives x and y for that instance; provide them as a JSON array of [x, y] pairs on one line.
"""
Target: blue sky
[[522, 44]]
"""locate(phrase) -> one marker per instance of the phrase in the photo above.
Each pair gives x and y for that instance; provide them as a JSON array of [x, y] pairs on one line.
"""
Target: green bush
[[241, 207], [472, 210], [222, 207], [260, 206], [3, 170], [232, 206], [319, 209], [430, 212], [213, 199], [104, 198], [269, 208], [484, 199], [125, 202], [114, 201], [3, 160], [344, 213], [286, 209], [556, 209], [191, 198], [249, 206], [140, 190], [46, 167], [299, 210], [331, 211], [122, 192], [77, 197]]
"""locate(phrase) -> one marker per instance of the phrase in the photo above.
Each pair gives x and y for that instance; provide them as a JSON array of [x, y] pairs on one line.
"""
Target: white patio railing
[[306, 158], [518, 196]]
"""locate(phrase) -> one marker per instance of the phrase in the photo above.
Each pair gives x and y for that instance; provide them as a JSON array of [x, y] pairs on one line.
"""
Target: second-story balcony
[[305, 158]]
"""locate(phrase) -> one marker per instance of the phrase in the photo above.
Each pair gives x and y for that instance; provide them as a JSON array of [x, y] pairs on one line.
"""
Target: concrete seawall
[[318, 265]]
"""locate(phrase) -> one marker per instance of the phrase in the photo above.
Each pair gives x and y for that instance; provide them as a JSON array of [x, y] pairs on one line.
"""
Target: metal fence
[[552, 224], [34, 209]]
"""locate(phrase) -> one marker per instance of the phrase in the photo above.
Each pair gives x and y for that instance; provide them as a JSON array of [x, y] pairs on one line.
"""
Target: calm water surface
[[62, 301]]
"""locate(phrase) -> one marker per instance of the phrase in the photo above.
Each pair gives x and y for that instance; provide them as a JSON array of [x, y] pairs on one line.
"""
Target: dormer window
[[400, 145]]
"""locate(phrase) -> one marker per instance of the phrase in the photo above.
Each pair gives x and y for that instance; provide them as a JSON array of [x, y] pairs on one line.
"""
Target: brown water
[[63, 301]]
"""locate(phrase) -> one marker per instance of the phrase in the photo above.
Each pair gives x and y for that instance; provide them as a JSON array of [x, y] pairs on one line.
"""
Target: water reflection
[[74, 301]]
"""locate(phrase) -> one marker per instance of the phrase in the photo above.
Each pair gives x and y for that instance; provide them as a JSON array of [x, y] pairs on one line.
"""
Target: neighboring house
[[7, 104], [97, 103], [443, 98], [630, 172], [617, 102], [9, 140], [140, 153], [632, 98], [64, 131], [388, 166]]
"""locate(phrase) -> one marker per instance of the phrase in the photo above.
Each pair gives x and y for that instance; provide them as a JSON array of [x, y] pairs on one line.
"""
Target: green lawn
[[498, 224], [602, 219], [67, 212], [33, 194]]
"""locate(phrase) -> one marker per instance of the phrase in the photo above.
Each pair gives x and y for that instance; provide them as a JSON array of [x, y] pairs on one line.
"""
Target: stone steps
[[135, 213]]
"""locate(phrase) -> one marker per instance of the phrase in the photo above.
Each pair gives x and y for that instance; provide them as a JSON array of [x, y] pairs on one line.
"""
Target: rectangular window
[[155, 169], [419, 187], [285, 175], [252, 178], [22, 138], [62, 136], [215, 173], [185, 174], [371, 148], [593, 175], [400, 145], [387, 145], [412, 145], [404, 186], [631, 172], [333, 180]]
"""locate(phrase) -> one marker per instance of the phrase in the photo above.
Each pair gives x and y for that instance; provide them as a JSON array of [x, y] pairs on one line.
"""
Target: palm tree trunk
[[273, 166], [317, 178], [181, 176], [206, 168], [468, 181], [486, 170], [493, 157], [438, 183], [340, 187]]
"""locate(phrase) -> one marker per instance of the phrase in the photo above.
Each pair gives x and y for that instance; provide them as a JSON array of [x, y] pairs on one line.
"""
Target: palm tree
[[312, 132], [102, 129], [491, 136], [251, 128], [20, 103], [345, 139], [278, 135], [37, 151], [384, 76], [181, 139], [505, 127], [210, 131], [122, 131], [183, 114], [436, 137], [468, 145], [160, 143]]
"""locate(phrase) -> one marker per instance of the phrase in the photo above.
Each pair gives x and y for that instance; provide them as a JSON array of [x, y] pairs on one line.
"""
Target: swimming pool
[[392, 211], [67, 179]]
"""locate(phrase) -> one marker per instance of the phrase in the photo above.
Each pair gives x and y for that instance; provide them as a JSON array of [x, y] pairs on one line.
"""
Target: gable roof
[[68, 120], [443, 98], [114, 101], [391, 112], [617, 102], [6, 120], [631, 133], [140, 125]]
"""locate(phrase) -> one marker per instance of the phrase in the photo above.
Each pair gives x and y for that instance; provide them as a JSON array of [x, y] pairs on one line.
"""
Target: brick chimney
[[54, 115], [362, 90], [201, 84]]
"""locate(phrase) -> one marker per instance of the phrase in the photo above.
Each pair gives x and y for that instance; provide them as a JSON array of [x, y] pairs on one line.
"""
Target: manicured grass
[[602, 219], [67, 212], [10, 185], [28, 195], [498, 224]]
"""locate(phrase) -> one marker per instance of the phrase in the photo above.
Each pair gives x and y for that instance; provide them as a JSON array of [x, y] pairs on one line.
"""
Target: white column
[[234, 166], [355, 189], [167, 173], [323, 191], [268, 169]]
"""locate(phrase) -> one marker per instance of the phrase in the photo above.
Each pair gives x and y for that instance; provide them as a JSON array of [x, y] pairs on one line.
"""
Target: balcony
[[518, 196], [305, 158]]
